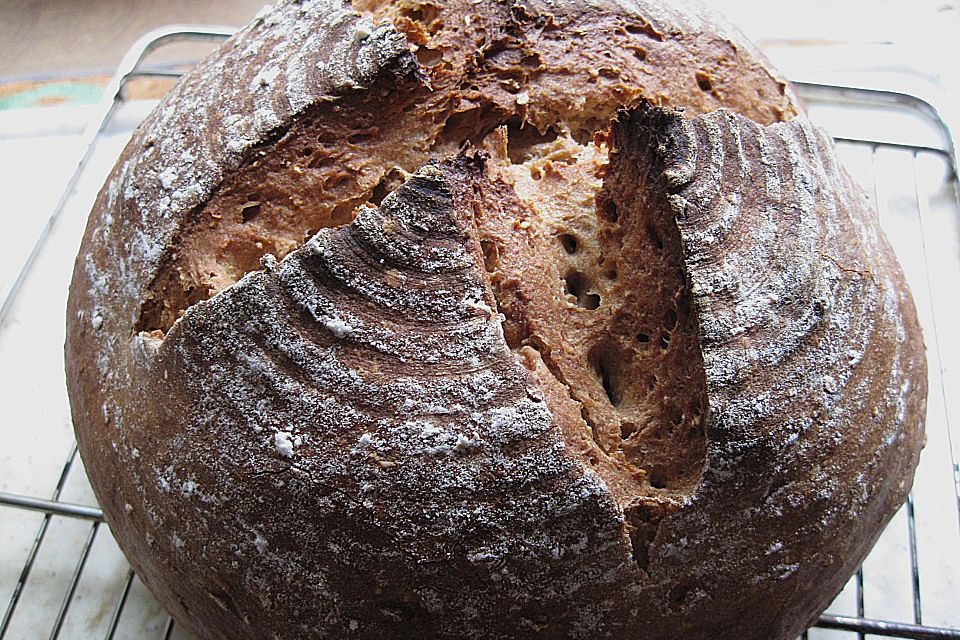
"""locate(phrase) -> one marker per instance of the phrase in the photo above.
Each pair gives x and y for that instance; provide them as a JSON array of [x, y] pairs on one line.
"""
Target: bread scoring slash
[[440, 320]]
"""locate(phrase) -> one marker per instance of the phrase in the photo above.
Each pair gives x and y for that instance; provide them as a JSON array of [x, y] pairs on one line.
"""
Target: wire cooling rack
[[63, 577]]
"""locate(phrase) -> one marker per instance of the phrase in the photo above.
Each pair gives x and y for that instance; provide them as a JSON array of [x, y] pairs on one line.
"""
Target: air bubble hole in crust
[[429, 57], [361, 136], [670, 319], [657, 482], [391, 180], [655, 237], [525, 142], [424, 14], [320, 161], [569, 242], [642, 525], [250, 212], [679, 594], [608, 374], [531, 60], [704, 82], [609, 211], [577, 285]]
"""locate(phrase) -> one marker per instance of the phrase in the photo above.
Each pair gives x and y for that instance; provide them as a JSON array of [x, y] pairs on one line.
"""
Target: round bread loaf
[[415, 319]]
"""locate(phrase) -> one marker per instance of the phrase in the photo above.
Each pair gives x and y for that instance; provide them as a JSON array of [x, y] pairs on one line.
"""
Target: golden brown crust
[[814, 363], [549, 65], [343, 442], [370, 432]]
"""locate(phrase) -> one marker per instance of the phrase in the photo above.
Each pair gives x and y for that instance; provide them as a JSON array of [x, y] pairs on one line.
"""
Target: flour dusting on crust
[[341, 442]]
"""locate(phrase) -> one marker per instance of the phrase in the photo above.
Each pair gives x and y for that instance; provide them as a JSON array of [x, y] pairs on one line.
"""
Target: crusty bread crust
[[338, 131], [814, 362], [434, 418]]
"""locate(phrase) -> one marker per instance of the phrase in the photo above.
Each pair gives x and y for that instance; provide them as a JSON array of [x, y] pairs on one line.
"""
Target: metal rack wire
[[924, 157]]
